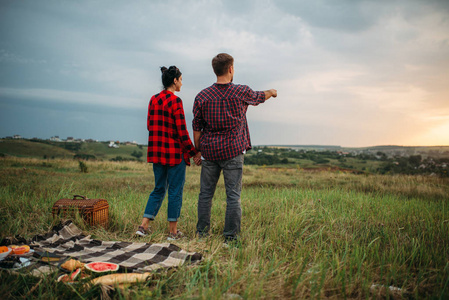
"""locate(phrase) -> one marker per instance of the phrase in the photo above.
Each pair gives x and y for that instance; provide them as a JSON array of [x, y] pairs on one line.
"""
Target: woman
[[169, 149]]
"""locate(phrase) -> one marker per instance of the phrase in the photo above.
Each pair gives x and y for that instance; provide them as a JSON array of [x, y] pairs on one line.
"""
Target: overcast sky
[[350, 73]]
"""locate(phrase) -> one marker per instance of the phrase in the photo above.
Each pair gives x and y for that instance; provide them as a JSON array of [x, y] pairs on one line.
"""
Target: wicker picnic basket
[[94, 212]]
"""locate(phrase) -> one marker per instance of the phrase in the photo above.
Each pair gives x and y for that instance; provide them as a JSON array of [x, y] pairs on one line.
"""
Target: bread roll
[[120, 278], [72, 264]]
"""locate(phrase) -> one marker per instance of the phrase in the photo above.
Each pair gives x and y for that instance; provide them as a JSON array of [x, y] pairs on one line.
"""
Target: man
[[221, 133]]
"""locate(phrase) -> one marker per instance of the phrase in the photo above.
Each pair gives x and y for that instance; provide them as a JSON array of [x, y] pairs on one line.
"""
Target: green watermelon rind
[[89, 267]]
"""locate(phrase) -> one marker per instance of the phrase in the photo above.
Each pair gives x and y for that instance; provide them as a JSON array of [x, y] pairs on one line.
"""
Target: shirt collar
[[167, 92], [222, 84]]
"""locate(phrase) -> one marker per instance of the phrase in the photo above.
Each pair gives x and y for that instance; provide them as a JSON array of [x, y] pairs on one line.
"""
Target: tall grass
[[304, 234]]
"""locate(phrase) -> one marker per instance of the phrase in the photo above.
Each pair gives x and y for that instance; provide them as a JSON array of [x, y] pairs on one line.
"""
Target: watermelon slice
[[75, 274], [64, 278], [101, 267]]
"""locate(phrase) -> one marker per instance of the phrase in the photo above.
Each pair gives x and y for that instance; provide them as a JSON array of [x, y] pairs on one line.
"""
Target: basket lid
[[79, 200]]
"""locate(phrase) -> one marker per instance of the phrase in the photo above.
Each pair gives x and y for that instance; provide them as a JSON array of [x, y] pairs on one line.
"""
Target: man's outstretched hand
[[271, 93]]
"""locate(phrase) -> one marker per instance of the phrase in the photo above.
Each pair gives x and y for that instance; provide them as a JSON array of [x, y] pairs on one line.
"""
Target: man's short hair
[[221, 63]]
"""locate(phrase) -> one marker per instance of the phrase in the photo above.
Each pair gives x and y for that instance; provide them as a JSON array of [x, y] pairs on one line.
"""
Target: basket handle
[[83, 197]]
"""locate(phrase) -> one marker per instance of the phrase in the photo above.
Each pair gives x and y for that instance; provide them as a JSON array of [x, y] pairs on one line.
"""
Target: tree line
[[413, 164]]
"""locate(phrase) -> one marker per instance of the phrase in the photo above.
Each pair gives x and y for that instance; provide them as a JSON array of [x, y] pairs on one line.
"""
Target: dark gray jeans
[[210, 173]]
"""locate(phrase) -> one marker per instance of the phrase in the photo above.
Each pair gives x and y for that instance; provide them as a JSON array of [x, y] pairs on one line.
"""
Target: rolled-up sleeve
[[253, 97]]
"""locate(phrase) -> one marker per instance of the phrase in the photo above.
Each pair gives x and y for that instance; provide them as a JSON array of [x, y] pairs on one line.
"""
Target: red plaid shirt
[[168, 139], [219, 112]]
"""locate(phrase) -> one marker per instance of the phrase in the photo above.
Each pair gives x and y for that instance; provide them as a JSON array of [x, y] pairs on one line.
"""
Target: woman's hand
[[197, 158]]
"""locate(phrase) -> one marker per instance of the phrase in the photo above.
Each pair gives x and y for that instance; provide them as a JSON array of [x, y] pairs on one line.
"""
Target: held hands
[[197, 158]]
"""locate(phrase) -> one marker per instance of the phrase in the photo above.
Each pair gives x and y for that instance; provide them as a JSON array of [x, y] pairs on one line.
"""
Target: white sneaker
[[174, 237], [142, 231]]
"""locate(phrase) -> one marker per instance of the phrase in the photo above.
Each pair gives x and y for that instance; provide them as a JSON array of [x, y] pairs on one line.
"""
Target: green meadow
[[305, 234]]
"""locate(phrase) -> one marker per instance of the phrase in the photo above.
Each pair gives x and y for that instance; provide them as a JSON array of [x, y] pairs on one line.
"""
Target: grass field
[[305, 234]]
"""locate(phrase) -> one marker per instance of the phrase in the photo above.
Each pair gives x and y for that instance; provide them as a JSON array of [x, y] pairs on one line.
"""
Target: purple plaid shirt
[[219, 112]]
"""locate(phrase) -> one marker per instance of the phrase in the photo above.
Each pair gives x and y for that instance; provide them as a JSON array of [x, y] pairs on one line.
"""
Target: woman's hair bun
[[169, 75]]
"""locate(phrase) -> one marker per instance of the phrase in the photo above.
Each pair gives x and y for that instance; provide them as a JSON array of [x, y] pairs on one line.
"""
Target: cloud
[[73, 97], [339, 66], [7, 57], [352, 16]]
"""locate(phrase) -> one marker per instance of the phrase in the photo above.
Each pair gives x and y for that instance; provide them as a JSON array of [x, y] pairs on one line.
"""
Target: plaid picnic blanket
[[68, 240]]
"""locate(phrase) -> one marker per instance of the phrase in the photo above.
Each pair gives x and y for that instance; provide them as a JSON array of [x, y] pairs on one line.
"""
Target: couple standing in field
[[221, 137]]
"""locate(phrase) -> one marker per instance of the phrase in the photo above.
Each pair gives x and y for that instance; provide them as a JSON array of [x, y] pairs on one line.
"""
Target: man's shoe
[[202, 235], [142, 231], [231, 241]]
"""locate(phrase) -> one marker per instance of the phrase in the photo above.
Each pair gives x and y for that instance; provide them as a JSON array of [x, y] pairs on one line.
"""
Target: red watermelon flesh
[[64, 278], [75, 273], [100, 267]]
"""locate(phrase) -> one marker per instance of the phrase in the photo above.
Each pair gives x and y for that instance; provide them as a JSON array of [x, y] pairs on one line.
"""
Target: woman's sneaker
[[142, 231], [174, 237]]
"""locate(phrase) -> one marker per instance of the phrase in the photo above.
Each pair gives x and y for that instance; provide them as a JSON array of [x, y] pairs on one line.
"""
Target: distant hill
[[307, 147], [48, 149], [24, 148], [389, 150], [101, 151]]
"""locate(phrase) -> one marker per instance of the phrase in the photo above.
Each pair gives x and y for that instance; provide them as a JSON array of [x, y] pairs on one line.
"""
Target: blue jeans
[[172, 177], [210, 173]]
